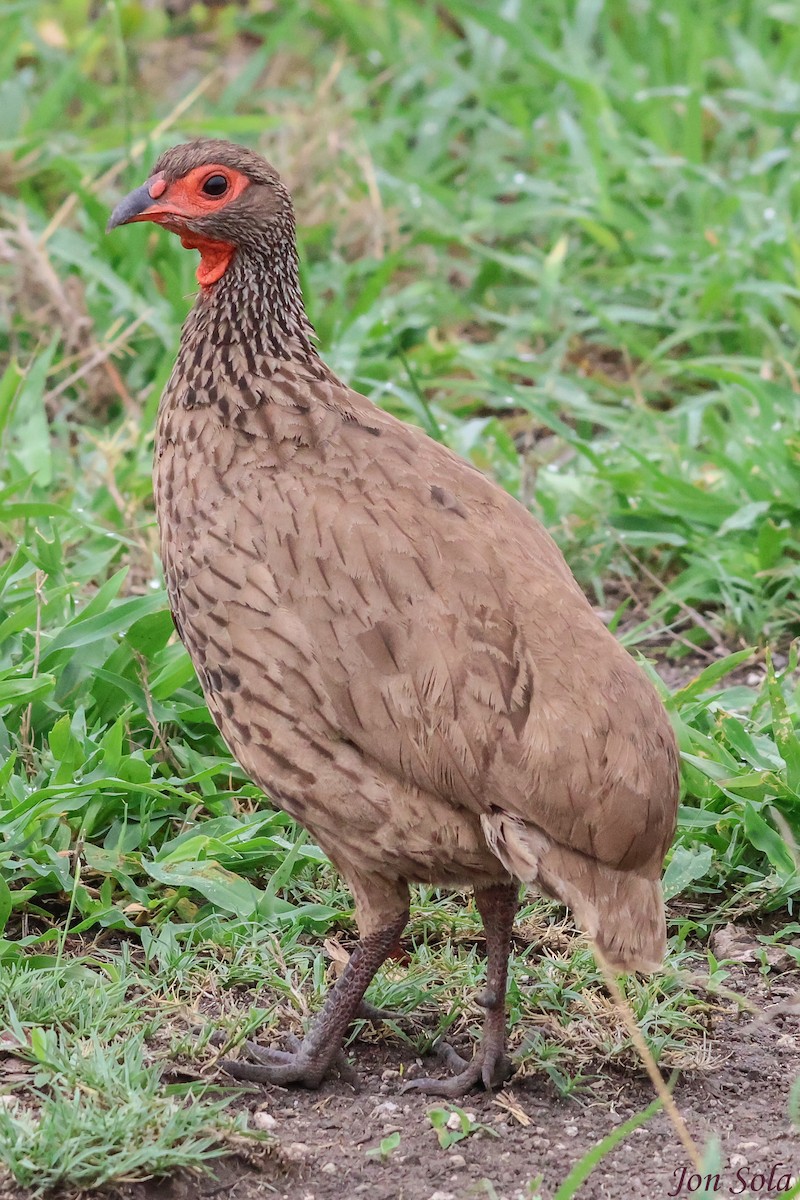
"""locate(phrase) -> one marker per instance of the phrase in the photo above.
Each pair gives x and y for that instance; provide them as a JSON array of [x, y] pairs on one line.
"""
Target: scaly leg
[[309, 1061], [490, 1066]]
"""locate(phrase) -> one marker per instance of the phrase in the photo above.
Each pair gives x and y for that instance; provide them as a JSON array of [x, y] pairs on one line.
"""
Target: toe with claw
[[296, 1064], [489, 1067]]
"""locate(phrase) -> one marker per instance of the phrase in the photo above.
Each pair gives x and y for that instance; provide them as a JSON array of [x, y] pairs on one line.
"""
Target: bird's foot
[[296, 1064], [491, 1067]]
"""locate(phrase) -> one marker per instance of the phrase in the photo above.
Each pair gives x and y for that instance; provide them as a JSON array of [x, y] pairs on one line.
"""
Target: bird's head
[[217, 197]]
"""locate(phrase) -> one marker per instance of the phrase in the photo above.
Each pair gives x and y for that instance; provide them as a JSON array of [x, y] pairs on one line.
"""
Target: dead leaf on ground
[[736, 944]]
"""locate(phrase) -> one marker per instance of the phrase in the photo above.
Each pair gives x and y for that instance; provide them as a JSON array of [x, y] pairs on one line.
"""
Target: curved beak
[[138, 205]]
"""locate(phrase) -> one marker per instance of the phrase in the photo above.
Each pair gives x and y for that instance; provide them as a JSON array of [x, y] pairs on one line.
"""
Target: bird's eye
[[215, 185]]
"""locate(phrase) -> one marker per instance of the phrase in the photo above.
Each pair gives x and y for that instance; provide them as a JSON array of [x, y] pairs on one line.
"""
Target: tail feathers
[[621, 910]]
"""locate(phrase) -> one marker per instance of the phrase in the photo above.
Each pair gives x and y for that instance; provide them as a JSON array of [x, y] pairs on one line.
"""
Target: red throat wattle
[[215, 257]]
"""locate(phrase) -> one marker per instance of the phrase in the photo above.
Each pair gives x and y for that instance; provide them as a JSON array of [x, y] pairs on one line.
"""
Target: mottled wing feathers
[[455, 648]]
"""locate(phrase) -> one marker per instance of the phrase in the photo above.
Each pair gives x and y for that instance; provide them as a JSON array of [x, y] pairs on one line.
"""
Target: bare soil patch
[[742, 1099]]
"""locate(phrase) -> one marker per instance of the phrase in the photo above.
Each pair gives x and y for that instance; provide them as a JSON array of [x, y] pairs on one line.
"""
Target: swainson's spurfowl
[[392, 646]]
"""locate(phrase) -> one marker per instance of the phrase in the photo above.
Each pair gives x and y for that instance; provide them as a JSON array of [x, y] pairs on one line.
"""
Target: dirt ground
[[324, 1137]]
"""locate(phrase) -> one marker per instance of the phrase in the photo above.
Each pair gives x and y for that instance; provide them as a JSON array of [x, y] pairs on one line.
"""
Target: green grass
[[90, 1105], [562, 239]]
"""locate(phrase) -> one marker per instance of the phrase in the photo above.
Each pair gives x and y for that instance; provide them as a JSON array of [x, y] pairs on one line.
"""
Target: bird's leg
[[490, 1066], [367, 1011], [309, 1061]]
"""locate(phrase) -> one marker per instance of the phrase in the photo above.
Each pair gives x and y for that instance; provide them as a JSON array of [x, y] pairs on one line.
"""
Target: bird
[[391, 645]]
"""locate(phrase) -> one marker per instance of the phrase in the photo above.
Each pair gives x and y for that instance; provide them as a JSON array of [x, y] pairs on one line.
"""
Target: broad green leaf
[[762, 835], [224, 889], [23, 691], [685, 866]]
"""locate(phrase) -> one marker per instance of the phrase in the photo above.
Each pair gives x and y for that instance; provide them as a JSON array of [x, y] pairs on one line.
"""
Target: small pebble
[[385, 1109], [457, 1160], [441, 1196], [329, 1168], [737, 1161], [264, 1121], [453, 1121], [296, 1150], [571, 1130]]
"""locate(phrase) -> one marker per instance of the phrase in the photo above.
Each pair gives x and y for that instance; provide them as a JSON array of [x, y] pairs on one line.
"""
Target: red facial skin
[[184, 199]]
